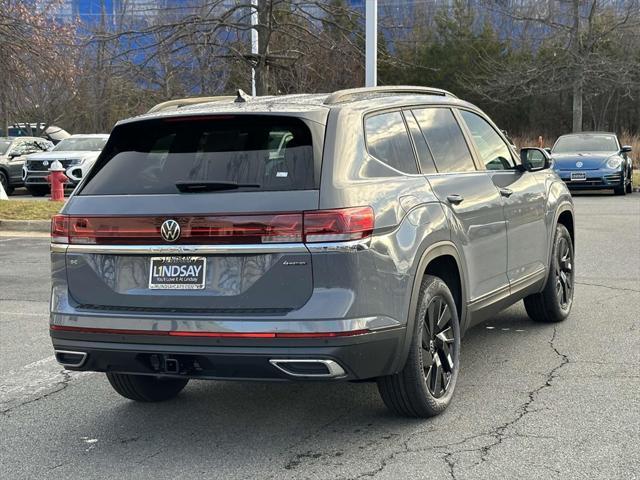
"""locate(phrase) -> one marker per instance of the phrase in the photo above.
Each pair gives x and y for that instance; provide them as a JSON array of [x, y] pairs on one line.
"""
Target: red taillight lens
[[221, 229], [312, 226], [338, 225], [60, 229]]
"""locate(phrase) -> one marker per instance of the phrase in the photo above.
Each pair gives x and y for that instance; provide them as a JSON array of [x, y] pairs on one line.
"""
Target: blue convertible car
[[593, 160]]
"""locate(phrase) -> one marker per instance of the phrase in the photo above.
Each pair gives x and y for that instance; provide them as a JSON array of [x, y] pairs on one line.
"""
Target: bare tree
[[37, 65], [573, 45]]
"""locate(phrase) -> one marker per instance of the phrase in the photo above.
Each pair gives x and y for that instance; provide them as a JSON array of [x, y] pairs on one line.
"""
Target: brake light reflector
[[184, 333], [338, 224]]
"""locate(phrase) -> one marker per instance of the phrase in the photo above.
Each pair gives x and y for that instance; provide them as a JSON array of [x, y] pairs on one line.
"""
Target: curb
[[25, 225]]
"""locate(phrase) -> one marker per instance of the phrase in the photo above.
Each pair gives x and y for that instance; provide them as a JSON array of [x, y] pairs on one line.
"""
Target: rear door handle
[[455, 199], [506, 192]]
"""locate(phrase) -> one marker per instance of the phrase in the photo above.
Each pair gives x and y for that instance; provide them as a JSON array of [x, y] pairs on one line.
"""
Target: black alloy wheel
[[438, 347], [564, 273]]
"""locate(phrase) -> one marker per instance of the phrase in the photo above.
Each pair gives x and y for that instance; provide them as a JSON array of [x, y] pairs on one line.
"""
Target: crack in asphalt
[[62, 384], [608, 287], [498, 434]]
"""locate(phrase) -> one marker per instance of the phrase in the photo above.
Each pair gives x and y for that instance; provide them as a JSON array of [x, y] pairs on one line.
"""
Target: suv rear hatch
[[196, 214]]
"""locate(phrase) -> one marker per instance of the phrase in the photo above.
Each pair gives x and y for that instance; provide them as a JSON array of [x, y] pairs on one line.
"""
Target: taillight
[[220, 229], [338, 225], [60, 229], [311, 226]]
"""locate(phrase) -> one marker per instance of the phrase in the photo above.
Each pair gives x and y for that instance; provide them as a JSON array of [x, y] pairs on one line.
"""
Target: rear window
[[213, 153]]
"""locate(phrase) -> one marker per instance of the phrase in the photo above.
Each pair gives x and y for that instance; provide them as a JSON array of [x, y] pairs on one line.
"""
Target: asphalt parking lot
[[533, 401]]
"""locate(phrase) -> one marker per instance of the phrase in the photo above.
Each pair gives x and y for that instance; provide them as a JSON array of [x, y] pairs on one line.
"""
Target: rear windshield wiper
[[205, 186]]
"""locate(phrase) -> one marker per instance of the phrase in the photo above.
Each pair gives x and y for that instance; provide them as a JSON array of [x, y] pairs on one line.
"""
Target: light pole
[[254, 43], [371, 40]]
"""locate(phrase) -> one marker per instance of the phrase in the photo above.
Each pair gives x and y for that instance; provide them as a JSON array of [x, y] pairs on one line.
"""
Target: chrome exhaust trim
[[82, 355], [334, 370]]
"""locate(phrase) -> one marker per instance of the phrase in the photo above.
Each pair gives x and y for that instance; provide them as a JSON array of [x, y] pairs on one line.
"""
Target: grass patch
[[636, 179], [28, 209]]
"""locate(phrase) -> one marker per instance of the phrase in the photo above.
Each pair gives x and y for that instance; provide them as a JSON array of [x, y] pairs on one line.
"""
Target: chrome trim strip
[[488, 295], [334, 369], [350, 246], [508, 289], [58, 247], [529, 278], [76, 365], [262, 248]]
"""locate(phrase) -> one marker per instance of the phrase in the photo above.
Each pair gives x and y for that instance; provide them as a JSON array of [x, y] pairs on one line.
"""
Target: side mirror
[[14, 154], [534, 159], [548, 150], [626, 149]]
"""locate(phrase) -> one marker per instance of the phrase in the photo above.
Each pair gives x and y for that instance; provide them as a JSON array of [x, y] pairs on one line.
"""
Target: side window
[[444, 137], [18, 147], [494, 153], [30, 147], [43, 145], [424, 154], [387, 140]]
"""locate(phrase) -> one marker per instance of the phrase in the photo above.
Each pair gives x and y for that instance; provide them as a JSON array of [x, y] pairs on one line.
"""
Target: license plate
[[177, 273], [578, 176]]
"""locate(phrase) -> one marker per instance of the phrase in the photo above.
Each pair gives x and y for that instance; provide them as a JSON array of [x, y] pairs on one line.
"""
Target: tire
[[4, 181], [38, 191], [629, 188], [622, 189], [144, 388], [424, 387], [553, 304]]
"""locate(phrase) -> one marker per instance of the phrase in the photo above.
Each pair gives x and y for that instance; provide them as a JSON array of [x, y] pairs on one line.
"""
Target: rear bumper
[[358, 357]]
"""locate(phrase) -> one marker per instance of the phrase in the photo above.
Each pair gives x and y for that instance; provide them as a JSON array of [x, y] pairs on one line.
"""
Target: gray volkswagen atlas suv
[[351, 236]]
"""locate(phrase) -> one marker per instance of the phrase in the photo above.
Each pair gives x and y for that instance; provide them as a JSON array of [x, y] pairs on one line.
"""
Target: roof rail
[[183, 102], [352, 93]]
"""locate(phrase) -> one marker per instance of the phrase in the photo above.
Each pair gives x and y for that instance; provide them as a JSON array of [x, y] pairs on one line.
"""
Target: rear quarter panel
[[408, 218]]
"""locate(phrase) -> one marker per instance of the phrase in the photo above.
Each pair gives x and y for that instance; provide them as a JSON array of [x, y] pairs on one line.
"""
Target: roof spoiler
[[352, 94], [183, 102]]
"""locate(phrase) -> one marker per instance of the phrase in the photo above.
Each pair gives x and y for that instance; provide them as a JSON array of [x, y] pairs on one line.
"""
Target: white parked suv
[[77, 154]]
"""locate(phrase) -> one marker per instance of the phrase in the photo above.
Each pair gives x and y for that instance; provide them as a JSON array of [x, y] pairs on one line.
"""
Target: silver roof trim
[[351, 94]]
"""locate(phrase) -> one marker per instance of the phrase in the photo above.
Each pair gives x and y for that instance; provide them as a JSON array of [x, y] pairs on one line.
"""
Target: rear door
[[523, 197], [471, 200], [199, 214]]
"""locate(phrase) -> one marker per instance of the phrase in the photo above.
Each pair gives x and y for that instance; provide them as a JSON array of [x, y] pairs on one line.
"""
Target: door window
[[388, 141], [444, 137], [493, 151], [424, 154]]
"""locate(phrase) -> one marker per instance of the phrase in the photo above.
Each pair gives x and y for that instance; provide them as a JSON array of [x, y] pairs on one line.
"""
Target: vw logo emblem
[[45, 163], [170, 230], [579, 164]]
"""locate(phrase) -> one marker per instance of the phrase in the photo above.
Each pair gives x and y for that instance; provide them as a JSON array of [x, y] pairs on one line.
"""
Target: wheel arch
[[443, 260], [565, 217]]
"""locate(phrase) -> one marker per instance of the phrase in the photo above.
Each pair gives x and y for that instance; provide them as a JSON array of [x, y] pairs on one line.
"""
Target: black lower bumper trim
[[376, 356]]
